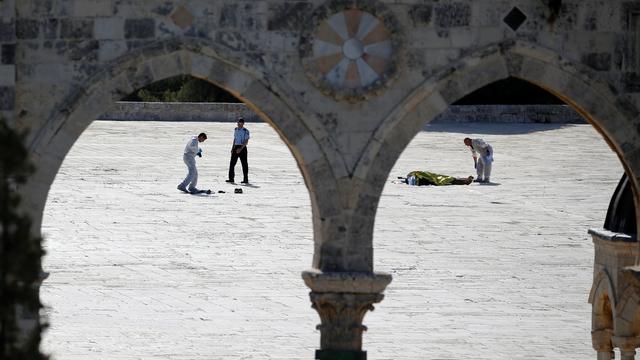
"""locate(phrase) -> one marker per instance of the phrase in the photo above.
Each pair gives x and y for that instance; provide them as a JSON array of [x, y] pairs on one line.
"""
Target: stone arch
[[603, 302], [579, 86], [164, 59]]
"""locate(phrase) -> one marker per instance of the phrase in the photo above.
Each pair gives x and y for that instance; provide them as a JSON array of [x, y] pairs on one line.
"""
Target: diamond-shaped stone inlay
[[181, 17], [515, 18], [351, 49]]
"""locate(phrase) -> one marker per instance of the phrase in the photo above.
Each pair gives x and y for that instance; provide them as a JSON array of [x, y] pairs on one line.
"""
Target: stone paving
[[142, 271]]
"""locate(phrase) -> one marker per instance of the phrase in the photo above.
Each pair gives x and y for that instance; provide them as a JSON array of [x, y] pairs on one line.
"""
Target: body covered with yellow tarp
[[429, 178]]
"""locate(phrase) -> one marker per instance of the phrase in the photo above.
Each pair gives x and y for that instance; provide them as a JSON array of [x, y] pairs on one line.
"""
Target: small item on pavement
[[238, 191]]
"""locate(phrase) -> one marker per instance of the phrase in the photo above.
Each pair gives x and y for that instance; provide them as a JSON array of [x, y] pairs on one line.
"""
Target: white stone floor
[[142, 271]]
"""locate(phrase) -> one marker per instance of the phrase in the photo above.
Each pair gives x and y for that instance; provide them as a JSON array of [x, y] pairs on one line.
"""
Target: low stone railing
[[228, 112], [543, 114], [179, 111]]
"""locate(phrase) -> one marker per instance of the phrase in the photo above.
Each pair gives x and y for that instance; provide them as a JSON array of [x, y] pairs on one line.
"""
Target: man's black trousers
[[243, 161]]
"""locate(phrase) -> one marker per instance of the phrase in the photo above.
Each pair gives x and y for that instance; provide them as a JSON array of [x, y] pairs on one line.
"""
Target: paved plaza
[[140, 270]]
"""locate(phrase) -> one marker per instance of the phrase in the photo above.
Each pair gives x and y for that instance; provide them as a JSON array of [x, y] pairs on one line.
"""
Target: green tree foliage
[[182, 88], [20, 253]]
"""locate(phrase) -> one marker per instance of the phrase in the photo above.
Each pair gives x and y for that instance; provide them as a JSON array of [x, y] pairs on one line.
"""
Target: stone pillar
[[627, 346], [342, 299], [601, 341]]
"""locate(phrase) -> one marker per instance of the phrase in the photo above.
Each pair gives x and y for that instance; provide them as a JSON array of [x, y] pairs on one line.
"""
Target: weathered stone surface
[[139, 28], [288, 16], [27, 28], [229, 15], [8, 54], [631, 82], [83, 50], [50, 28], [7, 97], [109, 28], [598, 61], [76, 29], [453, 15], [7, 30], [182, 17], [421, 14]]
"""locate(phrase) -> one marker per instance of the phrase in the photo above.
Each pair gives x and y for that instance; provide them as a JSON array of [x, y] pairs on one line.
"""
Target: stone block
[[453, 15], [7, 97], [92, 8], [181, 17], [288, 16], [50, 28], [7, 75], [110, 28], [420, 14], [489, 35], [428, 38], [599, 61], [490, 13], [631, 82], [83, 50], [27, 29], [76, 29], [229, 16], [7, 30], [111, 49], [139, 28], [463, 37], [166, 66], [8, 56], [307, 150]]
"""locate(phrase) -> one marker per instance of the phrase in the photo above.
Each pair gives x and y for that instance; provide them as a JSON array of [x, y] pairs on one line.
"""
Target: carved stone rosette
[[342, 300], [351, 48]]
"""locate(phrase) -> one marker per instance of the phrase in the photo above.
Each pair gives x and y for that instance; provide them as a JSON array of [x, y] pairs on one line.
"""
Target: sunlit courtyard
[[140, 270]]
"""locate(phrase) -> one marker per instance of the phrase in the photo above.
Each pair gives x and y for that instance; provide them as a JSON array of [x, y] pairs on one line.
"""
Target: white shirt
[[192, 146], [479, 146]]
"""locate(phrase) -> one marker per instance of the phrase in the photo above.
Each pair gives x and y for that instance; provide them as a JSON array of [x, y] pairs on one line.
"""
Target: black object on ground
[[202, 192], [238, 191]]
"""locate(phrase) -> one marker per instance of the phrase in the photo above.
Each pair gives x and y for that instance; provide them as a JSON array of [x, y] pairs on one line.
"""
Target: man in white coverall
[[482, 163], [190, 151]]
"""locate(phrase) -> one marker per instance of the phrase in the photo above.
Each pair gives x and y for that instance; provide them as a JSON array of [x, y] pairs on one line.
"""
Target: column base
[[340, 355]]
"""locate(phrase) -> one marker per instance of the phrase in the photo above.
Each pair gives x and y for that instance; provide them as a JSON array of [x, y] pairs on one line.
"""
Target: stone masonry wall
[[7, 60], [63, 44], [543, 114], [229, 112], [185, 111]]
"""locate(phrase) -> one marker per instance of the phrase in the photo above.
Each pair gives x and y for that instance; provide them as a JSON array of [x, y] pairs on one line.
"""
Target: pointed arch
[[169, 58], [613, 117]]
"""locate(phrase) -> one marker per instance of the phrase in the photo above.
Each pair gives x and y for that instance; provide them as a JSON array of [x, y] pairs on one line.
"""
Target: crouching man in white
[[190, 151], [482, 163]]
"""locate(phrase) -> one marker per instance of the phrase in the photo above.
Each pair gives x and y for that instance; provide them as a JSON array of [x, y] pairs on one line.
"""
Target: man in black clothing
[[239, 150]]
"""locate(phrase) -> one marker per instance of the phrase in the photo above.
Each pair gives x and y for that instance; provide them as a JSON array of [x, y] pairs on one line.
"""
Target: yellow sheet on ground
[[429, 178]]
